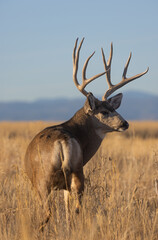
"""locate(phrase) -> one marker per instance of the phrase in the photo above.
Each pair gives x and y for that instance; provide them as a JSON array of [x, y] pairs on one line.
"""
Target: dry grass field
[[121, 195]]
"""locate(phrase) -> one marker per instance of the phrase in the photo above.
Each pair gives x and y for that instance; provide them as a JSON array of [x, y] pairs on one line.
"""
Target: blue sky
[[37, 39]]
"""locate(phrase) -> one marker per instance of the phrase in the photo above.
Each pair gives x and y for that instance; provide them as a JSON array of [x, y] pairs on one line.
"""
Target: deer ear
[[89, 105], [116, 100]]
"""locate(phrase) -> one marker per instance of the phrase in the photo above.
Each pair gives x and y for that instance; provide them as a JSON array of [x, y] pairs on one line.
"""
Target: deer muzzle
[[124, 126]]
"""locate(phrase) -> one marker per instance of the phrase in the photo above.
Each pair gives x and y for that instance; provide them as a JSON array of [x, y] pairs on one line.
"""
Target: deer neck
[[85, 130]]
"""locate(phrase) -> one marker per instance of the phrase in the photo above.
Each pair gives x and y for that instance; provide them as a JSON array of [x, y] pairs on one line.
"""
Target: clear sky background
[[37, 39]]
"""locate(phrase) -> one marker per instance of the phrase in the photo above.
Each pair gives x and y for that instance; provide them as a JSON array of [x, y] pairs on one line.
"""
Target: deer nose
[[125, 124]]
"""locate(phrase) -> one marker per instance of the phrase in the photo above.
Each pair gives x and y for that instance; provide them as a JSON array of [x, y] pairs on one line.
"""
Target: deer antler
[[125, 80], [85, 81]]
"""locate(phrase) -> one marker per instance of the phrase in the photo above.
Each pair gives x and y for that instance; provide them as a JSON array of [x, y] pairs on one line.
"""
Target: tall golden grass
[[120, 199]]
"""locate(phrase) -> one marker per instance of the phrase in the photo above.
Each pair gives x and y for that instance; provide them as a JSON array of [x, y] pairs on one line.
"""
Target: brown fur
[[56, 156]]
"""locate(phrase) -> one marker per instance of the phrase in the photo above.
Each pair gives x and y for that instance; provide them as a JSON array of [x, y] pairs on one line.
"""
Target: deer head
[[103, 112]]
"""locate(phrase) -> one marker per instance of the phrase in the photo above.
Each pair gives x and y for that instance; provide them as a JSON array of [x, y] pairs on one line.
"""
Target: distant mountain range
[[135, 106]]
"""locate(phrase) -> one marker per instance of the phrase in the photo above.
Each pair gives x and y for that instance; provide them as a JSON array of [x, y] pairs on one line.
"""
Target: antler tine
[[85, 81], [107, 65], [126, 66], [124, 81], [76, 60], [85, 66]]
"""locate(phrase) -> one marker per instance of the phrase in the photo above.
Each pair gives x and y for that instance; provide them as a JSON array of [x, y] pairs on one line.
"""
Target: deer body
[[56, 156], [67, 146]]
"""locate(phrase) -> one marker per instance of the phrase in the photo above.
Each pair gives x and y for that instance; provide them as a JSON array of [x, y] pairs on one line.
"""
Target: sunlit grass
[[120, 199]]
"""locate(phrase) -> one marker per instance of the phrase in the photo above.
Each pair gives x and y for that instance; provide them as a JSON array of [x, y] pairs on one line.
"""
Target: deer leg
[[44, 196], [47, 215], [66, 199], [67, 210], [77, 187]]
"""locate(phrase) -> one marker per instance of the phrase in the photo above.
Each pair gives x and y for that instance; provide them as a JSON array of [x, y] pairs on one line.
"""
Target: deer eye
[[104, 112]]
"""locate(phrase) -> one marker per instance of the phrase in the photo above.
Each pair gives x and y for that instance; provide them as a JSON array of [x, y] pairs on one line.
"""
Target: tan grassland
[[121, 194]]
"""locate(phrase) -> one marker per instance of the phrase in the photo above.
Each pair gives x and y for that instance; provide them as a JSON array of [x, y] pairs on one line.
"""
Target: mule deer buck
[[56, 156]]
